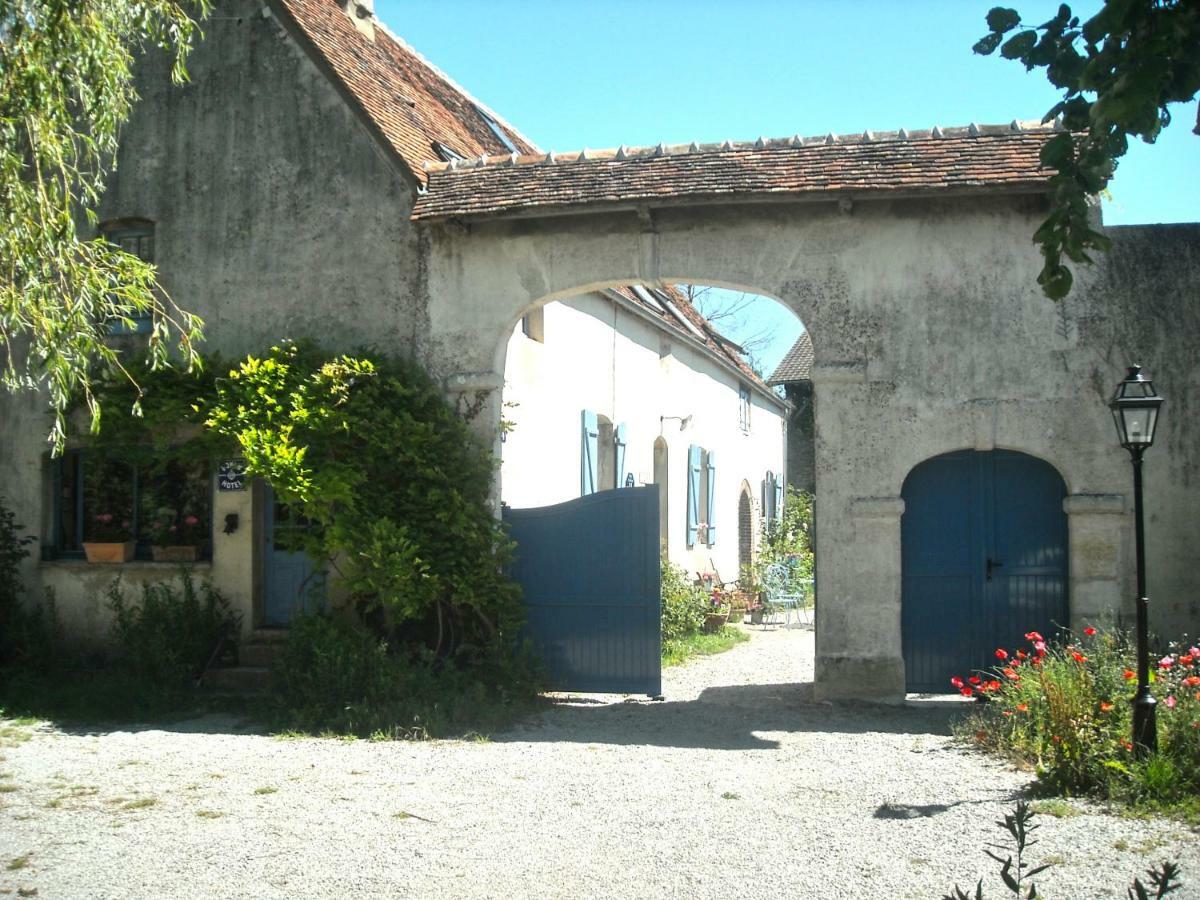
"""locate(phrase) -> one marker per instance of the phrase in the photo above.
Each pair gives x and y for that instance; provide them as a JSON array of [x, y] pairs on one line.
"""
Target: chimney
[[362, 14]]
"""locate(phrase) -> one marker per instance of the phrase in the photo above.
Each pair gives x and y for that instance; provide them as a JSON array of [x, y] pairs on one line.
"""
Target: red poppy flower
[[1105, 706], [1008, 712], [975, 679], [1089, 631], [1170, 701], [1078, 657], [993, 685], [1129, 674], [1010, 673], [1022, 707], [1127, 745], [1166, 662], [1001, 654], [1021, 654], [967, 691], [1034, 636], [956, 682]]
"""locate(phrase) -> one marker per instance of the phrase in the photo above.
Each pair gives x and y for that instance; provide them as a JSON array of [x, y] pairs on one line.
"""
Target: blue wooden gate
[[984, 549], [590, 574]]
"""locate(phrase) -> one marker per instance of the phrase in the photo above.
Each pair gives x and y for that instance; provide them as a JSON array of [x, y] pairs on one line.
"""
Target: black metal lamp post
[[1135, 411]]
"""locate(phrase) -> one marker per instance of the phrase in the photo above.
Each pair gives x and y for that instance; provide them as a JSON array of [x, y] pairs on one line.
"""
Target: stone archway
[[926, 322]]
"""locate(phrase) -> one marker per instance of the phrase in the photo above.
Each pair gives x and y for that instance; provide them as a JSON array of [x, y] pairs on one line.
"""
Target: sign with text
[[231, 475]]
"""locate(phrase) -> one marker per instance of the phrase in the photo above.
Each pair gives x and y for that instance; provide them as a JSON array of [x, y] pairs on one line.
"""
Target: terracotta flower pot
[[108, 552], [713, 622], [175, 553]]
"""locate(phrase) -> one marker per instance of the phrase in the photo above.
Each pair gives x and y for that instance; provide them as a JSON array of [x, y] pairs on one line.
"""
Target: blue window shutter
[[589, 453], [769, 497], [711, 534], [693, 494], [620, 438], [779, 496]]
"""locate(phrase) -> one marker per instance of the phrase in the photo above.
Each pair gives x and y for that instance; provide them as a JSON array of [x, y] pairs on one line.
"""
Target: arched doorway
[[745, 530], [984, 557]]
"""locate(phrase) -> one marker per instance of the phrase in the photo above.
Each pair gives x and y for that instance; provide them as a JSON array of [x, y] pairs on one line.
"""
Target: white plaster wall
[[607, 359]]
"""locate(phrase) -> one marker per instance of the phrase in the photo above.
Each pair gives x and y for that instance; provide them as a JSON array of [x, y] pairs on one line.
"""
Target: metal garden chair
[[785, 593]]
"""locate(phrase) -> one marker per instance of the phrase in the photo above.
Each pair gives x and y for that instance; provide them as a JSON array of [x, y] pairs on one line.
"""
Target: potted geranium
[[717, 612], [109, 539], [175, 537]]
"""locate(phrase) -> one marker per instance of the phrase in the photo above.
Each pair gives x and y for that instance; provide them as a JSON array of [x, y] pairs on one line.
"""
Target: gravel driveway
[[738, 785]]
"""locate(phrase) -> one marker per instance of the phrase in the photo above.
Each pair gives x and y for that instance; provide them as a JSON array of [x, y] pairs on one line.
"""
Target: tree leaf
[[1002, 19], [1019, 45]]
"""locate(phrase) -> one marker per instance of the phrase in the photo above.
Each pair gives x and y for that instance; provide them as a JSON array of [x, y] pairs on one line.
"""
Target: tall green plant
[[394, 485], [788, 538], [14, 545], [66, 87]]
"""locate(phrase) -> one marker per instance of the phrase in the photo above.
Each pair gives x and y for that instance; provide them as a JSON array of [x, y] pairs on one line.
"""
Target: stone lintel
[[877, 508], [473, 381], [1094, 504]]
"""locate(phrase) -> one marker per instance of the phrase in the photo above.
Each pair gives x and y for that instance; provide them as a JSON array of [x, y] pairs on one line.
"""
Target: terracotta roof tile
[[977, 158], [797, 364], [409, 101]]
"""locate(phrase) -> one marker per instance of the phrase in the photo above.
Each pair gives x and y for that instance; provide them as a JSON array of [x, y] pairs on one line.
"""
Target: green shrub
[[22, 632], [684, 605], [788, 539], [339, 677], [1064, 708], [165, 640], [395, 486]]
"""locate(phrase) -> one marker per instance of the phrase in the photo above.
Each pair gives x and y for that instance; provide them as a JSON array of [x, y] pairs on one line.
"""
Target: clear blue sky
[[575, 73]]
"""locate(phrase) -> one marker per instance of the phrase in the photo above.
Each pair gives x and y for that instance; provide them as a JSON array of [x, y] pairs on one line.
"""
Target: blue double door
[[984, 555]]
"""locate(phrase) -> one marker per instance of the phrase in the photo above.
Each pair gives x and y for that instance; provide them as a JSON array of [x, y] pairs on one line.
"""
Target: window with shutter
[[620, 440], [693, 495], [710, 533], [589, 452]]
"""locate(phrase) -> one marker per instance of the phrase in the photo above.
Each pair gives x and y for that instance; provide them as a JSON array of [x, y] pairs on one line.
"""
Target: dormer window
[[497, 131], [447, 154], [135, 237]]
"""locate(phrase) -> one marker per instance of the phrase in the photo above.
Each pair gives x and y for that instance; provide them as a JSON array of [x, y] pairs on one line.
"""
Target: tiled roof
[[971, 159], [406, 98], [797, 364], [711, 338]]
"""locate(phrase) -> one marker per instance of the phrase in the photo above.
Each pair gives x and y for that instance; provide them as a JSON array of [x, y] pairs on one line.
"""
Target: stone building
[[794, 375], [317, 177]]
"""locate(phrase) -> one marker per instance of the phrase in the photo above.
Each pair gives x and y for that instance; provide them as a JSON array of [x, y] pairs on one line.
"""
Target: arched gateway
[[907, 256]]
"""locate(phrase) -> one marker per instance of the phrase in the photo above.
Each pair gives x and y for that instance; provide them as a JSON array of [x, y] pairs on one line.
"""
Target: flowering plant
[[168, 529], [107, 528], [718, 603], [1065, 707]]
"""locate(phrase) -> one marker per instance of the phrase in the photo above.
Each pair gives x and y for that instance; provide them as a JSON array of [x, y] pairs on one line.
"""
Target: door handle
[[992, 564]]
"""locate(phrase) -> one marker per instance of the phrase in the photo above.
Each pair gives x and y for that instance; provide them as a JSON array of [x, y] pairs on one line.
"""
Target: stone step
[[239, 679], [258, 654], [268, 636]]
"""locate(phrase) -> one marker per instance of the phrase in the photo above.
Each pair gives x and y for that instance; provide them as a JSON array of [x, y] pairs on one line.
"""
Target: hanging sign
[[231, 475]]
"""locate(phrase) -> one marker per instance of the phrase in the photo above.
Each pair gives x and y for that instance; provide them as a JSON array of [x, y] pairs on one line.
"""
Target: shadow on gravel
[[725, 718]]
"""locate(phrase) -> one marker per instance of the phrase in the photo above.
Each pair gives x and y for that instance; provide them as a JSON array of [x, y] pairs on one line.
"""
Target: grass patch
[[266, 790], [1060, 809], [679, 650], [18, 863], [142, 803], [209, 814], [730, 795], [8, 788]]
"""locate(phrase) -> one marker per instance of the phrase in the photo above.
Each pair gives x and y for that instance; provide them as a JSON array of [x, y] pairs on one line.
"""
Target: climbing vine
[[393, 486]]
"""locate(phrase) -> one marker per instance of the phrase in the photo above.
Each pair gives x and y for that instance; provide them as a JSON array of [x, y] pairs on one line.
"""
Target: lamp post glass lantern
[[1135, 408]]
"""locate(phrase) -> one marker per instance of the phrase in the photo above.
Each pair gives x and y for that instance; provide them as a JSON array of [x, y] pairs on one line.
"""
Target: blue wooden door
[[589, 570], [291, 583], [984, 555]]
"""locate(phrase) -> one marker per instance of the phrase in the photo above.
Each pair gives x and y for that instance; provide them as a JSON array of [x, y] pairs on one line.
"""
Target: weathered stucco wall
[[930, 335], [277, 215]]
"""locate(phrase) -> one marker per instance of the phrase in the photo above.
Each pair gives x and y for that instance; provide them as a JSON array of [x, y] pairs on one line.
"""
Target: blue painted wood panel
[[291, 584], [589, 570], [984, 556]]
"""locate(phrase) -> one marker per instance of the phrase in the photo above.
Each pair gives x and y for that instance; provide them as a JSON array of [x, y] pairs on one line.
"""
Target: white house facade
[[632, 387]]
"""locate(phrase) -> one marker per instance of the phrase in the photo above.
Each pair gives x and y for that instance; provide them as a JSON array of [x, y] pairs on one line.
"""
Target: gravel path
[[738, 785]]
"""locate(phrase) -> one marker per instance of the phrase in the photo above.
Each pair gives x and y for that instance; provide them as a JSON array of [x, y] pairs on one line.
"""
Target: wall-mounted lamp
[[684, 421], [231, 523]]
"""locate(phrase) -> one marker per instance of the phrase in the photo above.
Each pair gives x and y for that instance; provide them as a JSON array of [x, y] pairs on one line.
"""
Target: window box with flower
[[110, 540], [175, 536]]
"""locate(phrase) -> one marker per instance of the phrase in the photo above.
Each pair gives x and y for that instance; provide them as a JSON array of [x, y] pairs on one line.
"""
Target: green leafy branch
[[1134, 57]]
